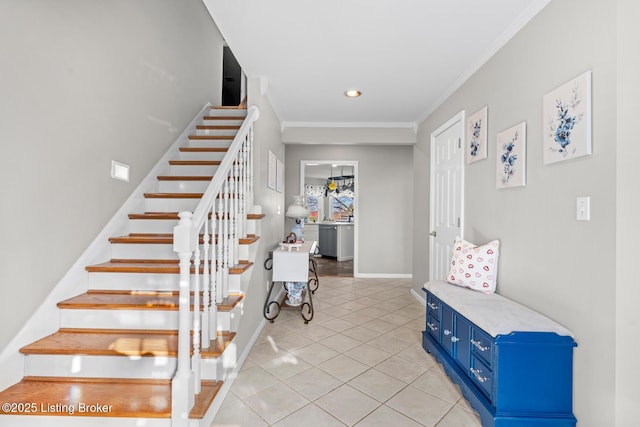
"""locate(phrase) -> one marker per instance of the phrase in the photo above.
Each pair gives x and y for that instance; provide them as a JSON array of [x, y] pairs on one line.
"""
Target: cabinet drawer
[[481, 375], [482, 345], [433, 327], [433, 306]]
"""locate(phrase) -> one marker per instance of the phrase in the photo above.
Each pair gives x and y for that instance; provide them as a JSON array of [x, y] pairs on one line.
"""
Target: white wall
[[83, 83], [549, 261], [385, 203]]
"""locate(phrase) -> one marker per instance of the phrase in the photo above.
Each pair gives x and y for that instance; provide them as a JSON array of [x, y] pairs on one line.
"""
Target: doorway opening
[[331, 196], [232, 78]]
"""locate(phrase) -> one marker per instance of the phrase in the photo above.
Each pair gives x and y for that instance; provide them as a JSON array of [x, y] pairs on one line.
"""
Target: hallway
[[358, 362]]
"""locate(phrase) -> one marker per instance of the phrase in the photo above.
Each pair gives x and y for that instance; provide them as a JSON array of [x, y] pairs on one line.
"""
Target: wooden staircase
[[115, 352]]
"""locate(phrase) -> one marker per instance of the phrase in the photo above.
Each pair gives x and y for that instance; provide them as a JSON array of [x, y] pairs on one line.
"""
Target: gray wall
[[385, 209], [82, 83], [550, 262], [266, 137], [627, 208]]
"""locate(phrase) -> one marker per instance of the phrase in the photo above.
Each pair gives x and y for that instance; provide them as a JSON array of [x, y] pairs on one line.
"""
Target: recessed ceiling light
[[352, 93]]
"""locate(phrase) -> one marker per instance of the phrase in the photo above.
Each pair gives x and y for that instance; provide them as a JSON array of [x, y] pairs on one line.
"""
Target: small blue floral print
[[475, 136], [508, 159]]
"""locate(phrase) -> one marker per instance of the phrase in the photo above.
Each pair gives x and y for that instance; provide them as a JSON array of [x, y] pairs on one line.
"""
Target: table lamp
[[297, 211]]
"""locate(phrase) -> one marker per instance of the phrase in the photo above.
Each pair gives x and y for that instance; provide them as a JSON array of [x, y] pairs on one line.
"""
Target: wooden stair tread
[[114, 342], [130, 398], [165, 239], [241, 118], [123, 397], [217, 127], [194, 162], [174, 216], [228, 107], [184, 178], [173, 195], [136, 300], [211, 137], [203, 150]]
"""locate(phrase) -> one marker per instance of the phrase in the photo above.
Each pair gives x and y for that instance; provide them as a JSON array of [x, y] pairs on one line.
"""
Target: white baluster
[[236, 212], [213, 316], [225, 250], [195, 359], [182, 385], [219, 244], [206, 283]]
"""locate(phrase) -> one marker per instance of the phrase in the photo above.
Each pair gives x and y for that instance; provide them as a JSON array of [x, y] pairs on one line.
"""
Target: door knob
[[433, 233]]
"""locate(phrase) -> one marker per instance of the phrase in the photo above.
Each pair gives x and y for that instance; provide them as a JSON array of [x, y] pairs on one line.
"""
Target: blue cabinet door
[[462, 345], [446, 324]]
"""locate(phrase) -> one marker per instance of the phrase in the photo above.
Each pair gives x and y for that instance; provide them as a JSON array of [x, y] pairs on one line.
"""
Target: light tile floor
[[359, 362]]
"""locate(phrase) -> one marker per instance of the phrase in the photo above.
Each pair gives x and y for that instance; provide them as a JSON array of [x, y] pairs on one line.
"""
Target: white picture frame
[[271, 170], [511, 157], [476, 136], [566, 120], [279, 175]]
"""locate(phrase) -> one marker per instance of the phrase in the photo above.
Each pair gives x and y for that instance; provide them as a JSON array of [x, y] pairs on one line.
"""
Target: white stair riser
[[205, 143], [202, 155], [119, 319], [191, 170], [158, 367], [137, 319], [152, 226], [142, 251], [227, 112], [218, 132], [139, 281], [82, 421], [170, 205], [183, 186]]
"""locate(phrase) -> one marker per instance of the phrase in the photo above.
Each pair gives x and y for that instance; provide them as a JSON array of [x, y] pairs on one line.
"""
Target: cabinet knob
[[447, 332], [455, 339]]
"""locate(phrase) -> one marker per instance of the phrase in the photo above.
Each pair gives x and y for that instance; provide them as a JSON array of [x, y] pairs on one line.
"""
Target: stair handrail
[[232, 187]]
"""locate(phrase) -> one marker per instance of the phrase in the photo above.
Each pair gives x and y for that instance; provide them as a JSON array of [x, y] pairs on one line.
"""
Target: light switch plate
[[583, 208], [119, 171]]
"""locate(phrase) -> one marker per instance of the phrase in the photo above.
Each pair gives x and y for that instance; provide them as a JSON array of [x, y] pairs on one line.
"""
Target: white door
[[447, 194]]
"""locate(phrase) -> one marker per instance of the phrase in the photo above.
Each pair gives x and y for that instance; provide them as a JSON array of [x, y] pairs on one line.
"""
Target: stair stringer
[[75, 279]]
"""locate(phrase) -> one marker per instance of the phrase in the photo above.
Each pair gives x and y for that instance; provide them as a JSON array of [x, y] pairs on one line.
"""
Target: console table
[[514, 365], [291, 263]]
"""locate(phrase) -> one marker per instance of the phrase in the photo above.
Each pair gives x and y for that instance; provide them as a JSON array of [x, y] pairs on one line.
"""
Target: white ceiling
[[406, 56]]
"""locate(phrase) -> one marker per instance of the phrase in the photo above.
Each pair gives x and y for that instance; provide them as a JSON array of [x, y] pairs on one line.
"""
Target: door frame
[[459, 120], [356, 214]]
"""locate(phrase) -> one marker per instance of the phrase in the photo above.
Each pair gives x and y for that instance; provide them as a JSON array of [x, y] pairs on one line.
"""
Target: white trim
[[420, 298], [376, 125], [383, 275], [458, 118], [517, 24], [75, 281], [356, 215]]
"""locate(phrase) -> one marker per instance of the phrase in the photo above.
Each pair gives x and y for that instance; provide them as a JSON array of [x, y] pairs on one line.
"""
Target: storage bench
[[514, 365]]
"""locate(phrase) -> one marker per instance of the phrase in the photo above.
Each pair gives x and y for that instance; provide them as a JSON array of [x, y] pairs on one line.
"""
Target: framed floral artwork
[[566, 119], [476, 139], [511, 150]]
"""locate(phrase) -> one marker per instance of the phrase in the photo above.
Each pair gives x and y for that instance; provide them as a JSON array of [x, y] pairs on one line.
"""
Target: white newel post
[[182, 386]]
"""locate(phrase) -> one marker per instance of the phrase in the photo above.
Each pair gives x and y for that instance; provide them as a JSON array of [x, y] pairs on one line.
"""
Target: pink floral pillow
[[474, 267]]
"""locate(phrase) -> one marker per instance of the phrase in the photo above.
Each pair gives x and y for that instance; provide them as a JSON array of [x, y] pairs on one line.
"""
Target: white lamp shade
[[297, 209]]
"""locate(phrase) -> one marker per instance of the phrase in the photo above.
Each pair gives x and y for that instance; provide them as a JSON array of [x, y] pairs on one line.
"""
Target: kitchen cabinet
[[336, 240]]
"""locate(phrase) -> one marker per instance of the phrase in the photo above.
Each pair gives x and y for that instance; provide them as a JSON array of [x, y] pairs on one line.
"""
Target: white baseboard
[[383, 276], [419, 297]]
